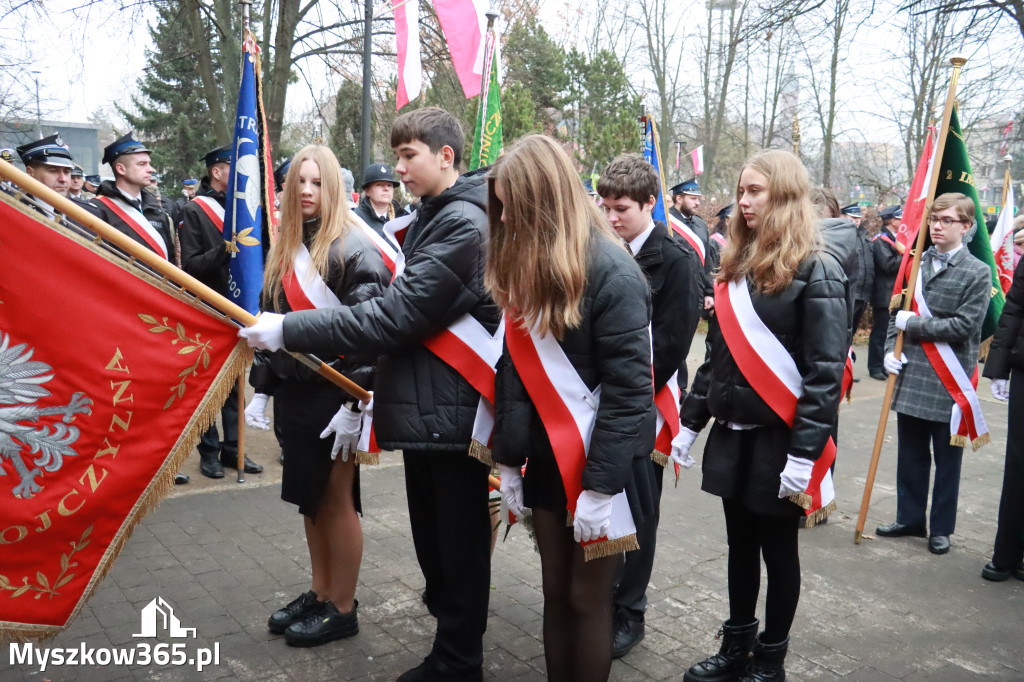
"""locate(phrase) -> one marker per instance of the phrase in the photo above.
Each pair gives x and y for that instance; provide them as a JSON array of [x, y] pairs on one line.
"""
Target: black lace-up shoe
[[298, 609], [325, 625]]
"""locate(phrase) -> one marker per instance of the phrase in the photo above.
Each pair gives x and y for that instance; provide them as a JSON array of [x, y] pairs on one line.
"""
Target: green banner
[[955, 176], [487, 136]]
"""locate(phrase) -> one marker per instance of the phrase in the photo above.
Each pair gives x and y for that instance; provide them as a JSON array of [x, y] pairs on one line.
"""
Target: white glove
[[267, 333], [593, 516], [795, 477], [681, 445], [902, 317], [1001, 389], [892, 365], [345, 425], [256, 412], [512, 489]]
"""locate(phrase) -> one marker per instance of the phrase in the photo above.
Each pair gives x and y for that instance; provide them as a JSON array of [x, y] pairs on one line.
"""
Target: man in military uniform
[[865, 265], [685, 202], [376, 207], [205, 256], [48, 161], [92, 184], [887, 253], [122, 203], [77, 182]]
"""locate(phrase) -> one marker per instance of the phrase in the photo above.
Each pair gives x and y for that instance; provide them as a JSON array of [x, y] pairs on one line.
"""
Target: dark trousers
[[451, 531], [210, 443], [1009, 548], [876, 341], [631, 591], [913, 467]]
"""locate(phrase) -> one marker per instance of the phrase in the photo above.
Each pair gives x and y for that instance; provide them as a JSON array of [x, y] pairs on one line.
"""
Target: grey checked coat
[[958, 297]]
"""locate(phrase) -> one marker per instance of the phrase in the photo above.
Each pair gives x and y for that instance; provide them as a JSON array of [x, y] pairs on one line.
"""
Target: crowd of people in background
[[578, 310]]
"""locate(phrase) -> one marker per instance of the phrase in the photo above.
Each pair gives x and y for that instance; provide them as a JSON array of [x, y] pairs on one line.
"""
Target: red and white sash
[[718, 238], [966, 424], [213, 210], [138, 223], [388, 252], [395, 230], [847, 375], [684, 231], [772, 373], [568, 410], [667, 402]]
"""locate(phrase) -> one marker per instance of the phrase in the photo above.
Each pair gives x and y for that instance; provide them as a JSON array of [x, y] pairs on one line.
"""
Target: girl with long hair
[[780, 301], [318, 260], [576, 306]]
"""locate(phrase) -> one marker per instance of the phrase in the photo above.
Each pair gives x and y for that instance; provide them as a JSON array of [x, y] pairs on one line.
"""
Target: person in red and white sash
[[424, 404], [778, 344], [629, 188], [940, 345], [205, 256], [319, 260], [122, 204], [578, 316]]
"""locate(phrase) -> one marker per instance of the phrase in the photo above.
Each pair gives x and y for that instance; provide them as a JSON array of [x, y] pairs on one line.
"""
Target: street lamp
[[39, 114]]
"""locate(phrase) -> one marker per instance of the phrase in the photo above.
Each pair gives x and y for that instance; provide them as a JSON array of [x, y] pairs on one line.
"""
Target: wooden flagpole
[[908, 294], [165, 268]]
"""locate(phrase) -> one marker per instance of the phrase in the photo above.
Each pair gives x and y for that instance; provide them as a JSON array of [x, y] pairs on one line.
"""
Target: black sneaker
[[325, 625], [298, 609]]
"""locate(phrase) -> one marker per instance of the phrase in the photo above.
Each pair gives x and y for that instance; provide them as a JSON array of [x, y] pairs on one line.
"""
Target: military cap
[[126, 144], [378, 172], [891, 212], [189, 182], [7, 155], [280, 173], [687, 187], [725, 212], [853, 210], [93, 180], [50, 151], [218, 155], [155, 178], [77, 171]]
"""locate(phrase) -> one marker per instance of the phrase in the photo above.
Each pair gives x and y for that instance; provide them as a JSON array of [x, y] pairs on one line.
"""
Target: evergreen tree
[[173, 115], [535, 79], [600, 111], [346, 133]]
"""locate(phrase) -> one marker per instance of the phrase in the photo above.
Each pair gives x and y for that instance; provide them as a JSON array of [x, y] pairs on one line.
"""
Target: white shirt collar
[[129, 197], [638, 241], [938, 264]]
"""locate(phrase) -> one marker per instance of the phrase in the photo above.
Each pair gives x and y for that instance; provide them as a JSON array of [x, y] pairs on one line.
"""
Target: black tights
[[752, 536], [577, 603]]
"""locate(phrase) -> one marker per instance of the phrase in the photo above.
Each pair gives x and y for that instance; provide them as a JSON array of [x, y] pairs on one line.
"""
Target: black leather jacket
[[612, 349], [809, 317]]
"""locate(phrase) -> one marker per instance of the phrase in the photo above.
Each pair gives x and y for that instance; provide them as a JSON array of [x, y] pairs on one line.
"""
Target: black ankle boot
[[732, 658], [768, 662]]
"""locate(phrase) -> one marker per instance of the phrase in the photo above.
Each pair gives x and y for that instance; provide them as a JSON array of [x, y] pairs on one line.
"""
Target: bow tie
[[938, 255]]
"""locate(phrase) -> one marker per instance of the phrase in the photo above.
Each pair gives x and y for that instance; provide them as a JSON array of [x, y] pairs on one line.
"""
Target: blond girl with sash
[[319, 260], [771, 387], [573, 396]]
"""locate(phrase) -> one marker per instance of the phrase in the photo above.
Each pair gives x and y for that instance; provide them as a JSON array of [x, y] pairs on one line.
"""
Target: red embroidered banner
[[107, 380]]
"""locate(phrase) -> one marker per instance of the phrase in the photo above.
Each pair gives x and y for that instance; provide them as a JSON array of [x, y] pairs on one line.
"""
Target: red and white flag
[[910, 223], [697, 157], [1002, 242], [464, 23], [410, 66]]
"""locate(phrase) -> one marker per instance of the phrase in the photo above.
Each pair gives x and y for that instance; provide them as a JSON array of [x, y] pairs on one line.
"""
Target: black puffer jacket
[[1007, 352], [356, 273], [839, 236], [420, 402], [610, 349], [809, 317], [887, 265], [364, 209], [203, 252], [865, 260], [151, 209]]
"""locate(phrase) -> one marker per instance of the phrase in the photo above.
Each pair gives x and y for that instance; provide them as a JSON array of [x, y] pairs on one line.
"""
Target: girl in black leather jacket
[[754, 460]]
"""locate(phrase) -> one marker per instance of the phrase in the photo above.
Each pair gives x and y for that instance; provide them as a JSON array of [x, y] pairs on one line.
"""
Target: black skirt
[[543, 489], [745, 465], [304, 410]]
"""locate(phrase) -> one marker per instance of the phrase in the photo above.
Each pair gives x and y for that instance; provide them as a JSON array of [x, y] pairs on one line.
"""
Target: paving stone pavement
[[224, 556]]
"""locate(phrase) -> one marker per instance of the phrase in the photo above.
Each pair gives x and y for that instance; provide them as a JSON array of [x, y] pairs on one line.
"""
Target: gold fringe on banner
[[479, 451], [984, 348], [368, 458], [659, 458], [956, 440], [600, 550], [896, 302], [804, 501]]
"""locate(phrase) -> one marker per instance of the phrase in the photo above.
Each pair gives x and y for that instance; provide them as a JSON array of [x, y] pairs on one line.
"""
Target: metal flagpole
[[365, 149], [908, 295]]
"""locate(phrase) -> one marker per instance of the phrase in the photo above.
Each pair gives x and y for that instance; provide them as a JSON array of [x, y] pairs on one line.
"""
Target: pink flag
[[697, 156], [407, 33], [463, 23]]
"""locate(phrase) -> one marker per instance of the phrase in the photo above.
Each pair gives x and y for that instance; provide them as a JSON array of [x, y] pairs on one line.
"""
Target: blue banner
[[653, 157], [243, 213]]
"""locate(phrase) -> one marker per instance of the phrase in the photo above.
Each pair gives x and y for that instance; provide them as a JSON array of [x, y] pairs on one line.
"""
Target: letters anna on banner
[[107, 379]]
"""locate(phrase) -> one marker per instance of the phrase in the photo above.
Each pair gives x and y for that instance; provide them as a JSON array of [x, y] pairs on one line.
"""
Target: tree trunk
[[200, 47]]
